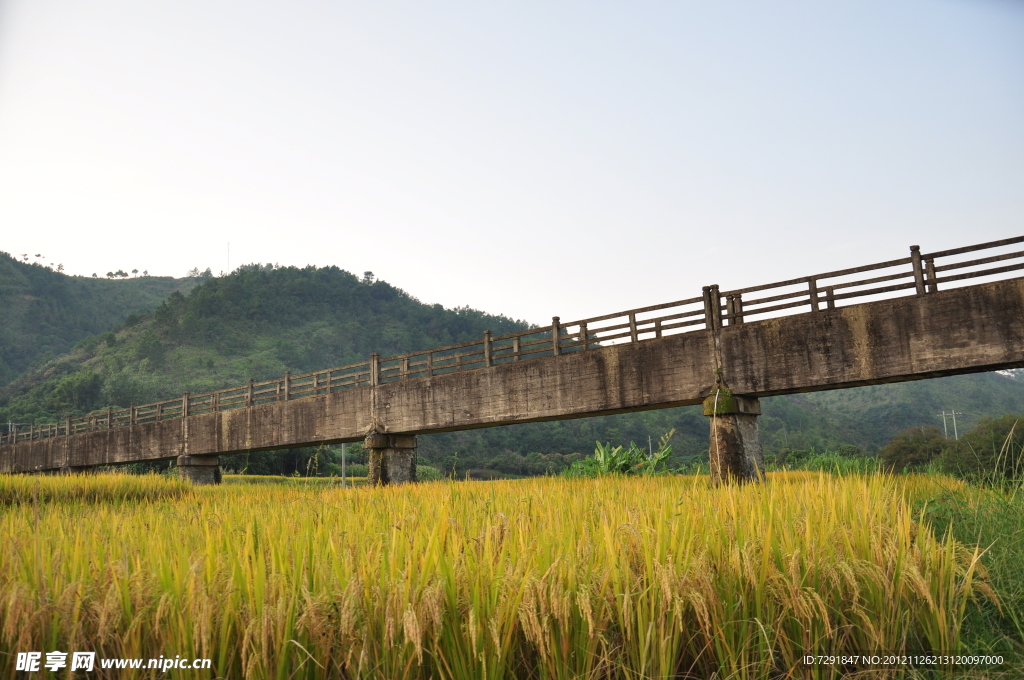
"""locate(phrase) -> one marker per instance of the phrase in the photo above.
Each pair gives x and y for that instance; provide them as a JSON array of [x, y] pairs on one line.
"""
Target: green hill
[[256, 323], [44, 313]]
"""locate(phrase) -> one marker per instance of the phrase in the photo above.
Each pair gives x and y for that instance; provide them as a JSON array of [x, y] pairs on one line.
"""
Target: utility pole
[[945, 431], [11, 425]]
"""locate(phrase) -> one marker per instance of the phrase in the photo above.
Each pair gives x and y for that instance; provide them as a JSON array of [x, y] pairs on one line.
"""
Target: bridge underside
[[965, 330]]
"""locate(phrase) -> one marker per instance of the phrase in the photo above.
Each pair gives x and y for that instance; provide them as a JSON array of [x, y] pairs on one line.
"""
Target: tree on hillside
[[913, 448], [77, 393]]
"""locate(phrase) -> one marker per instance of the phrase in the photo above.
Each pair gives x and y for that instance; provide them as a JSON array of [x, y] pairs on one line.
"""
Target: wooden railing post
[[915, 258], [249, 394], [430, 364], [812, 291], [487, 349], [184, 405], [717, 299], [133, 414], [584, 340], [633, 335], [734, 309], [110, 418], [405, 368], [712, 307], [215, 402], [830, 297], [160, 411], [556, 331], [709, 317], [287, 385], [67, 425], [933, 284], [375, 369]]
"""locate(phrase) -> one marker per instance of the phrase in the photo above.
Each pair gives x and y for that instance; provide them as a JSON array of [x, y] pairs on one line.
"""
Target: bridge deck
[[964, 330]]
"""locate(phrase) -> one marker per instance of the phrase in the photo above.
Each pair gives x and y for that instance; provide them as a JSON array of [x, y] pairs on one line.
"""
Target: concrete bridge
[[922, 316]]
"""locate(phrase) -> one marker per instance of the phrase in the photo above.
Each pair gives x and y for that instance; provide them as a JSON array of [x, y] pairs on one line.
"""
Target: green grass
[[992, 518]]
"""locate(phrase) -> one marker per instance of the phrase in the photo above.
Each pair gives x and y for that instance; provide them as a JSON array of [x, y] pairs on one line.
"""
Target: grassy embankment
[[550, 578]]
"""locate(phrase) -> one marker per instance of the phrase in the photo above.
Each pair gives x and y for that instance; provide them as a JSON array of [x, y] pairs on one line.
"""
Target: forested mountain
[[43, 313], [261, 321], [258, 322]]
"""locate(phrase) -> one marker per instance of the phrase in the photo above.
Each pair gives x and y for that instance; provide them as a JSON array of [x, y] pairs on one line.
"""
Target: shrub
[[991, 452], [913, 449]]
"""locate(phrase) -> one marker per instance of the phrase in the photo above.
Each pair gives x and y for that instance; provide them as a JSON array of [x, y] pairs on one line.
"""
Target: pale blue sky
[[525, 158]]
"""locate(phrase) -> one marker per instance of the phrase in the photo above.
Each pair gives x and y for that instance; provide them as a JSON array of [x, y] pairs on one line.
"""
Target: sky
[[529, 158]]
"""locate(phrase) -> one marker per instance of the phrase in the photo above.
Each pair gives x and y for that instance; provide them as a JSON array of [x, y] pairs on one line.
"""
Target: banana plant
[[632, 460]]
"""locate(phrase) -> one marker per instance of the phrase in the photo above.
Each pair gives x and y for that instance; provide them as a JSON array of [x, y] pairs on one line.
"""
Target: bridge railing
[[917, 274]]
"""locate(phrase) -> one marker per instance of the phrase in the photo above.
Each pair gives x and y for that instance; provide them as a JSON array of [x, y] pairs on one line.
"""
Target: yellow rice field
[[648, 577]]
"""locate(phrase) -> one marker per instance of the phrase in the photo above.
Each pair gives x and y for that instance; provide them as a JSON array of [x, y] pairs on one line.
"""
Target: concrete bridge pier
[[199, 469], [392, 459], [735, 445]]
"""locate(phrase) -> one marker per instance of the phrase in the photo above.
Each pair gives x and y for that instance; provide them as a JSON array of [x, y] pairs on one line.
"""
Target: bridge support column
[[199, 469], [735, 445], [392, 459]]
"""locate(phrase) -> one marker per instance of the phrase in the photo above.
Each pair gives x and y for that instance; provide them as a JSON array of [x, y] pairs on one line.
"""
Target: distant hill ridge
[[43, 313], [257, 322]]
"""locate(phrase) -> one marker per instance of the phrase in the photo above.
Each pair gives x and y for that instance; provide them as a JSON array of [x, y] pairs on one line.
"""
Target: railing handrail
[[971, 249], [551, 340]]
